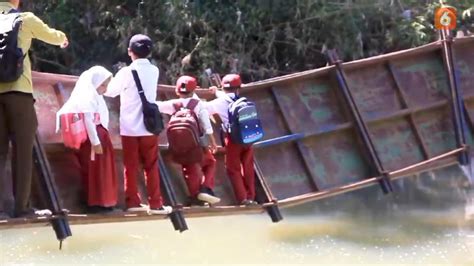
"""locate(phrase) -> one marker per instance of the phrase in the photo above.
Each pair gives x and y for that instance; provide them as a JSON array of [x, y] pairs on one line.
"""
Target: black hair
[[141, 52]]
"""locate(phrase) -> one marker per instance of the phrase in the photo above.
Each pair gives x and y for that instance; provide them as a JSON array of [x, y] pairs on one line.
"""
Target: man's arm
[[39, 30]]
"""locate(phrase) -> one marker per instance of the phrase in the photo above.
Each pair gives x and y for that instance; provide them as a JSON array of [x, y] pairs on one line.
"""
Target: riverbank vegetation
[[258, 38]]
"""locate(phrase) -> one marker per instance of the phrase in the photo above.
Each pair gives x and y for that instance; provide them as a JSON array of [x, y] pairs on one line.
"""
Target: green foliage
[[257, 38]]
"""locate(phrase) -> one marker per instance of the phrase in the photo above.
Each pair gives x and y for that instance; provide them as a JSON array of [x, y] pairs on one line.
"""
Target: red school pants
[[141, 150], [203, 174], [239, 166]]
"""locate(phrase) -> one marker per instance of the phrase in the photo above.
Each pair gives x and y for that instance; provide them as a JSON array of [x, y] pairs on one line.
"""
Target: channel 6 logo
[[445, 18]]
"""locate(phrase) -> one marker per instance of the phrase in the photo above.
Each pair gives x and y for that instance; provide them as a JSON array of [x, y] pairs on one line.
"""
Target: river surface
[[399, 237]]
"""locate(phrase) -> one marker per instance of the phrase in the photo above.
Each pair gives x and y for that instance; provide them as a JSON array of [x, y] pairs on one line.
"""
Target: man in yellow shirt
[[18, 122]]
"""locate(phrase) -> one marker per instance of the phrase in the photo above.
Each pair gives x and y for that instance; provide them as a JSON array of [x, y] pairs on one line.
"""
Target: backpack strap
[[236, 103], [11, 22], [229, 99], [13, 11], [233, 103], [139, 87], [235, 99], [177, 106], [192, 104]]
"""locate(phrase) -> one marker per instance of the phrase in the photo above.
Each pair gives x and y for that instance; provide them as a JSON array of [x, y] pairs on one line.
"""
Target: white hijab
[[85, 99]]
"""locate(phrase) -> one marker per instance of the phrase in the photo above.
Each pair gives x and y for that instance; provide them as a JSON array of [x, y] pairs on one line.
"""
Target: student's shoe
[[195, 202], [141, 208], [249, 203], [4, 216], [33, 213], [102, 210], [206, 194], [111, 210], [92, 209], [162, 210]]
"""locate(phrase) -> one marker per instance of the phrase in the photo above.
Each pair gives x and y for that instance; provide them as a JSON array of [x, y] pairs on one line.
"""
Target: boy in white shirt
[[139, 145], [200, 186]]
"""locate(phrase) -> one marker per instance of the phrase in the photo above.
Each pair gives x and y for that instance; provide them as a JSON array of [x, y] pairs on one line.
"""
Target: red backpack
[[73, 129], [184, 133]]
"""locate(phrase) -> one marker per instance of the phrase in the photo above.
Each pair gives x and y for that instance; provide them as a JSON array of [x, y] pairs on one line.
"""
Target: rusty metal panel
[[464, 63], [374, 91], [436, 126], [423, 78], [312, 107], [470, 118], [310, 104], [377, 97], [283, 170], [396, 143], [46, 107], [335, 159]]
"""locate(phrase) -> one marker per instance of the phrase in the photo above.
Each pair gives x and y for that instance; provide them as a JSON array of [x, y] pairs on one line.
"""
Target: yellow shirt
[[31, 28]]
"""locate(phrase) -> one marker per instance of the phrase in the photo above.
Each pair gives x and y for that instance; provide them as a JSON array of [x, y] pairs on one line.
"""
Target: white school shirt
[[123, 84], [220, 106], [167, 107]]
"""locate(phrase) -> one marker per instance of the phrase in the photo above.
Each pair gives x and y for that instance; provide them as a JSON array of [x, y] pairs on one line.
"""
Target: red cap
[[231, 81], [186, 84]]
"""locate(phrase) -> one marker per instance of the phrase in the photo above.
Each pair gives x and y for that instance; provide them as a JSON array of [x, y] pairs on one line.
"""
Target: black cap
[[140, 45]]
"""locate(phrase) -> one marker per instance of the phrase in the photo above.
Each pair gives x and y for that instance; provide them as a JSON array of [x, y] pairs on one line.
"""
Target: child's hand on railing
[[213, 89]]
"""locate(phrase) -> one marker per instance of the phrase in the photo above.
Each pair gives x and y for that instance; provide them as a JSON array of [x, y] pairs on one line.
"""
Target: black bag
[[11, 57], [151, 114]]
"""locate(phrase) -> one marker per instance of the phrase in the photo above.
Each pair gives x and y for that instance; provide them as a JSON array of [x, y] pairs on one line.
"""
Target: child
[[238, 158], [200, 187], [96, 154], [139, 145]]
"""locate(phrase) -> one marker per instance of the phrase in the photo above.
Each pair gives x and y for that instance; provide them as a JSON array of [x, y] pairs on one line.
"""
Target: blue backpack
[[244, 125]]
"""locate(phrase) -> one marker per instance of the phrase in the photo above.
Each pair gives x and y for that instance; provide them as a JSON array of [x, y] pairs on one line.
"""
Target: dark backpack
[[184, 133], [244, 125], [151, 113], [11, 57]]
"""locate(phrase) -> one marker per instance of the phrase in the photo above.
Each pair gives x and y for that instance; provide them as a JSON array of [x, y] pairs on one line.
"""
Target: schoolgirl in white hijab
[[87, 98], [98, 172]]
